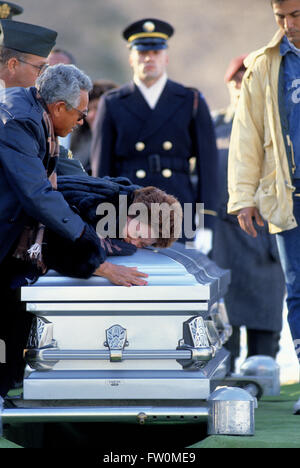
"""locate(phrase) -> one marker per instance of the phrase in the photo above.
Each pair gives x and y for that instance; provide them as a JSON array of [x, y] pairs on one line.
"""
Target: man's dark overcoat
[[24, 187], [25, 192], [132, 140]]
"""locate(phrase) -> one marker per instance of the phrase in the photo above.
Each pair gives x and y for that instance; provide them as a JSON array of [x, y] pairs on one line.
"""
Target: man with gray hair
[[64, 93], [30, 121]]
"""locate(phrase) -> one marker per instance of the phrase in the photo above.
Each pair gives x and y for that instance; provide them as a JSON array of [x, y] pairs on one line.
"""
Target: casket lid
[[169, 280]]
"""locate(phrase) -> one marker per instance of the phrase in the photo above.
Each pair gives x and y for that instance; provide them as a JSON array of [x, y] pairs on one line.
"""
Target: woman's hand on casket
[[121, 275]]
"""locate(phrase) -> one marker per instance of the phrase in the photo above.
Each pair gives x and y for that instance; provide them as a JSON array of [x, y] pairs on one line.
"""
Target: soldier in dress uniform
[[149, 130], [24, 50]]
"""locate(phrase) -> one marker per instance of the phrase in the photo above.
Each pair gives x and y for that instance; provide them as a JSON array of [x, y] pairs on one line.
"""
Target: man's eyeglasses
[[82, 114], [40, 68]]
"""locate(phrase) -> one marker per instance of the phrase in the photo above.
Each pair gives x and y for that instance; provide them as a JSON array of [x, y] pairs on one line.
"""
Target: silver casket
[[92, 340], [99, 352]]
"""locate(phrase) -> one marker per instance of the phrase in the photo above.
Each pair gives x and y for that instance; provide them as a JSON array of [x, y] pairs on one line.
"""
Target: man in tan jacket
[[264, 157]]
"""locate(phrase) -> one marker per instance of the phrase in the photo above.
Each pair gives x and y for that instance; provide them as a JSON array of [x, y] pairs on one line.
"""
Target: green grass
[[275, 425], [7, 444]]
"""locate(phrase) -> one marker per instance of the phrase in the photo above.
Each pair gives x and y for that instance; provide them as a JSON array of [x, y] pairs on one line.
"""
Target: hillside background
[[208, 34]]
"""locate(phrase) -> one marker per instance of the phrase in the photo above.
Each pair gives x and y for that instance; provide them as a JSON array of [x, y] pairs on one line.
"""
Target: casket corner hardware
[[195, 339]]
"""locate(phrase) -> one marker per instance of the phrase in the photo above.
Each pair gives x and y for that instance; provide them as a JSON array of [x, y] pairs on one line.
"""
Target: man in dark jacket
[[150, 129], [30, 121], [24, 49], [31, 201]]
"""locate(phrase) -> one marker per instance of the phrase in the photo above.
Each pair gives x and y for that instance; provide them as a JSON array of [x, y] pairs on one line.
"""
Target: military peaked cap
[[27, 38], [148, 34]]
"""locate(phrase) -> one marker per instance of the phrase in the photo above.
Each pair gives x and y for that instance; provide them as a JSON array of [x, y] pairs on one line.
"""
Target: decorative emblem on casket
[[116, 340]]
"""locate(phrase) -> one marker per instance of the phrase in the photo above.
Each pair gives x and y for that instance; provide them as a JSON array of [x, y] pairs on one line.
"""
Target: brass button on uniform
[[140, 146], [167, 145], [140, 174], [167, 173]]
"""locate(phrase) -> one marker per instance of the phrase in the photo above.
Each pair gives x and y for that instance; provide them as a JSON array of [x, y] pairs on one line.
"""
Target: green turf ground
[[275, 427]]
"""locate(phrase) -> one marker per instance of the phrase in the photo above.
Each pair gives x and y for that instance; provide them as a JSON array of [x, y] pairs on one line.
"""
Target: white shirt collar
[[152, 94]]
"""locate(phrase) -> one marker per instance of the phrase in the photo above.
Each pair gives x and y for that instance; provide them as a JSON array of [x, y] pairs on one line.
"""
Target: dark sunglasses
[[82, 114]]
